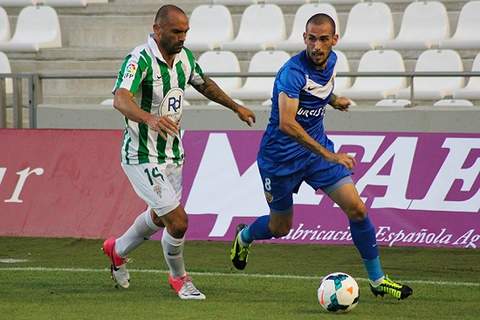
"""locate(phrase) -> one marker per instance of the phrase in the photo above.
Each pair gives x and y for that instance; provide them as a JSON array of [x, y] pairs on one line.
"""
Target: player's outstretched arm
[[213, 92], [289, 125], [123, 101], [339, 103]]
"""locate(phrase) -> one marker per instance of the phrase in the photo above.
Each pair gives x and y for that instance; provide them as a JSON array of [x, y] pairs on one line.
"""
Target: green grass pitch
[[68, 279]]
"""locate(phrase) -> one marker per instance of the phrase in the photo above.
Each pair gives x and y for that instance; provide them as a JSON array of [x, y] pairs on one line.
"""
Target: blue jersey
[[298, 79]]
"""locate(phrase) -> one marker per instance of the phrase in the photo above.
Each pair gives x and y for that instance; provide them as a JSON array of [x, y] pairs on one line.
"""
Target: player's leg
[[278, 193], [118, 249], [344, 193], [173, 239], [142, 228], [173, 216]]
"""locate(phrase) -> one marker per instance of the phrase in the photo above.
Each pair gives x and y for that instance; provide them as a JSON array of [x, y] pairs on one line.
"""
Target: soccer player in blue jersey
[[295, 148]]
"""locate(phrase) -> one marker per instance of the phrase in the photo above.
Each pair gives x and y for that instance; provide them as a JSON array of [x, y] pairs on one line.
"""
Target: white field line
[[221, 274]]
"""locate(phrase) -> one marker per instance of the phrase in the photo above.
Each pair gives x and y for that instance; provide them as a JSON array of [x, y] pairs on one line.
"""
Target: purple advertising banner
[[421, 189]]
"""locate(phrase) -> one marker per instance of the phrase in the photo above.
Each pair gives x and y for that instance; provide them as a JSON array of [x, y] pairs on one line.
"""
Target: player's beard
[[319, 54], [172, 48]]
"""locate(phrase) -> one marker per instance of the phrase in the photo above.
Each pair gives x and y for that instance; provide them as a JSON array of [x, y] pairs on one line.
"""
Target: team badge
[[269, 197], [158, 190]]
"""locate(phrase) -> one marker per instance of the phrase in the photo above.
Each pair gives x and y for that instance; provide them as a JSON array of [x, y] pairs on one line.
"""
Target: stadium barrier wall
[[422, 189]]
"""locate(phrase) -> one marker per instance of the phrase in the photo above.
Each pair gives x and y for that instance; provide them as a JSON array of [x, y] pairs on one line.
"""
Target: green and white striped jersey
[[157, 89]]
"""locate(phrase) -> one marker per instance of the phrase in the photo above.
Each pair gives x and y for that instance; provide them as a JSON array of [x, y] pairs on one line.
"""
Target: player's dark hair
[[165, 10], [321, 18]]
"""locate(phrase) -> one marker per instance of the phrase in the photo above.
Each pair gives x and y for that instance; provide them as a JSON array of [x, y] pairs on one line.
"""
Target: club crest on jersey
[[158, 190], [172, 104], [268, 197]]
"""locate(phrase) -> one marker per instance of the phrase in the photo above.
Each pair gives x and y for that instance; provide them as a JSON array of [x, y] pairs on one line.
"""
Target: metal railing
[[34, 88], [35, 92]]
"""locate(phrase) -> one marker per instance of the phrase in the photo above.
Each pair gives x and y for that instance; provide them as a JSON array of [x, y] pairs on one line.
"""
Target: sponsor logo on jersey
[[304, 112], [172, 104]]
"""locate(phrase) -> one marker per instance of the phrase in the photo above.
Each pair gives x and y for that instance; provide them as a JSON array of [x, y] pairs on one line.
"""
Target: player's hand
[[163, 125], [246, 115], [344, 159], [342, 103]]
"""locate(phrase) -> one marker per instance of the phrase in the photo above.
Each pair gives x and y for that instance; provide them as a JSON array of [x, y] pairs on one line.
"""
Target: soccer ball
[[338, 292]]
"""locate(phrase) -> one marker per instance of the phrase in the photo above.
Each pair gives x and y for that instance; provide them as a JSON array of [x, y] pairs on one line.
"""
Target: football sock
[[374, 270], [363, 235], [173, 253], [141, 229], [258, 230]]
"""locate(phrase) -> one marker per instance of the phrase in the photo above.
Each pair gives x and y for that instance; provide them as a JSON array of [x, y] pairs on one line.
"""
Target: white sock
[[141, 229], [173, 253]]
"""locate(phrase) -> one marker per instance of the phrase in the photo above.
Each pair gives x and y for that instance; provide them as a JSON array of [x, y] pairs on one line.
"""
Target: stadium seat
[[5, 68], [210, 26], [424, 25], [434, 88], [17, 3], [218, 61], [453, 103], [107, 102], [4, 26], [370, 88], [365, 34], [286, 2], [37, 27], [472, 89], [261, 26], [261, 88], [235, 2], [393, 103], [64, 3], [295, 41], [342, 65], [467, 35]]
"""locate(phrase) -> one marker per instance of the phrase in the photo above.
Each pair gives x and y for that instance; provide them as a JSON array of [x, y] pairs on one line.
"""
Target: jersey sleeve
[[291, 80], [196, 72], [131, 74]]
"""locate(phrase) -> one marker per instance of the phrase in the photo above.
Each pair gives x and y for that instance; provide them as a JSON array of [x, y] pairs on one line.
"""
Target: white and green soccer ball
[[338, 292]]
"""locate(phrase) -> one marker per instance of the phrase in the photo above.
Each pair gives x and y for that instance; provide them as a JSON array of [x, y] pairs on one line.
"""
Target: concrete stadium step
[[110, 59], [417, 119], [94, 61]]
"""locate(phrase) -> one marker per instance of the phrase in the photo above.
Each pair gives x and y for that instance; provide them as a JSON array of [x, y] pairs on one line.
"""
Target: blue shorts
[[279, 190]]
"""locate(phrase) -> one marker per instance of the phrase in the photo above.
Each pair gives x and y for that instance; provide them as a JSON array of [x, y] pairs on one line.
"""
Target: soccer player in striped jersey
[[149, 93], [295, 148]]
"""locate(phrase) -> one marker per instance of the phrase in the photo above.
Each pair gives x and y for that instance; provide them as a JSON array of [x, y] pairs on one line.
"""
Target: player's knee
[[178, 228], [279, 231], [357, 211]]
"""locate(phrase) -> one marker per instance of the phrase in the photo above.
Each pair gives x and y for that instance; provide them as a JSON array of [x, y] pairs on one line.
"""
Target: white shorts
[[159, 185]]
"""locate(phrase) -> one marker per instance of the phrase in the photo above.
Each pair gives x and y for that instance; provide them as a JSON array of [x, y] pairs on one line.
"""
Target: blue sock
[[258, 230], [363, 235]]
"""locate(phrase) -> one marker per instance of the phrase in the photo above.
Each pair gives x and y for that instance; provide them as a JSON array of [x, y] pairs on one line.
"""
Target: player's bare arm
[[339, 103], [213, 92], [124, 102], [289, 125]]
